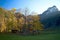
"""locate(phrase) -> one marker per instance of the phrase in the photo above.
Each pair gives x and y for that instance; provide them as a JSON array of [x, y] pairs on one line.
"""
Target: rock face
[[50, 11], [50, 17]]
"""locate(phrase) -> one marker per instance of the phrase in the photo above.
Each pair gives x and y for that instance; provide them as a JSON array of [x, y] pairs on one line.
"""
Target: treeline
[[16, 22]]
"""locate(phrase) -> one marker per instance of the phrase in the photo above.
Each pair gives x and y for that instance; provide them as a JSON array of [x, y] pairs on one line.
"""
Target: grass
[[48, 36]]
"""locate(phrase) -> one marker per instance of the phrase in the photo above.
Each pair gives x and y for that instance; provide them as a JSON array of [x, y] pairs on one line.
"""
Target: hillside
[[50, 19]]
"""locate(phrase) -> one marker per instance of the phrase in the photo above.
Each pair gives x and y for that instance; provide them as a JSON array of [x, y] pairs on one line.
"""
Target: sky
[[38, 6]]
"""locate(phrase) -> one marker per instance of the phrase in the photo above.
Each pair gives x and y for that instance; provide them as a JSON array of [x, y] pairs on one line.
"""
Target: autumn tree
[[11, 20], [2, 20], [37, 23], [34, 23]]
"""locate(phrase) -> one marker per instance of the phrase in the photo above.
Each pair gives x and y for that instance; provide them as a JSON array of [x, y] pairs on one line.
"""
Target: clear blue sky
[[38, 6]]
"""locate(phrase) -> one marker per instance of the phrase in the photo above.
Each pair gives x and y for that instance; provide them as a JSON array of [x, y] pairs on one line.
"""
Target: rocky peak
[[52, 9]]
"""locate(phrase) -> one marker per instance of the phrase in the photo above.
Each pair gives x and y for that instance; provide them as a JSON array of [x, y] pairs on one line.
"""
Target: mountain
[[50, 17], [49, 12]]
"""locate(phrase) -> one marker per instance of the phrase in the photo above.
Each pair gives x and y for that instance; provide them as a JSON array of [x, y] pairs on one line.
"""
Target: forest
[[15, 22]]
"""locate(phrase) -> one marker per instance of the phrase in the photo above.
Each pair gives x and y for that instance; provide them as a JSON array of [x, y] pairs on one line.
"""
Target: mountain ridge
[[50, 18]]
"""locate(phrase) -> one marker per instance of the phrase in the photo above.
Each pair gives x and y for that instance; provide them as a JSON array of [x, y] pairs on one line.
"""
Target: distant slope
[[51, 17]]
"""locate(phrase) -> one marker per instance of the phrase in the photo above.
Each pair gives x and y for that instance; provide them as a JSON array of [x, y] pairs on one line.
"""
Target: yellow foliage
[[3, 27], [13, 8], [17, 21]]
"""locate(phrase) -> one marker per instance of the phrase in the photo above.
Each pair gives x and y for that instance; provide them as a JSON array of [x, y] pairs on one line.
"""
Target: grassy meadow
[[44, 36]]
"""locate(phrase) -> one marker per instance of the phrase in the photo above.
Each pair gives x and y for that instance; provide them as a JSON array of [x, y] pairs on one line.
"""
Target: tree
[[27, 24], [2, 23], [37, 24]]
